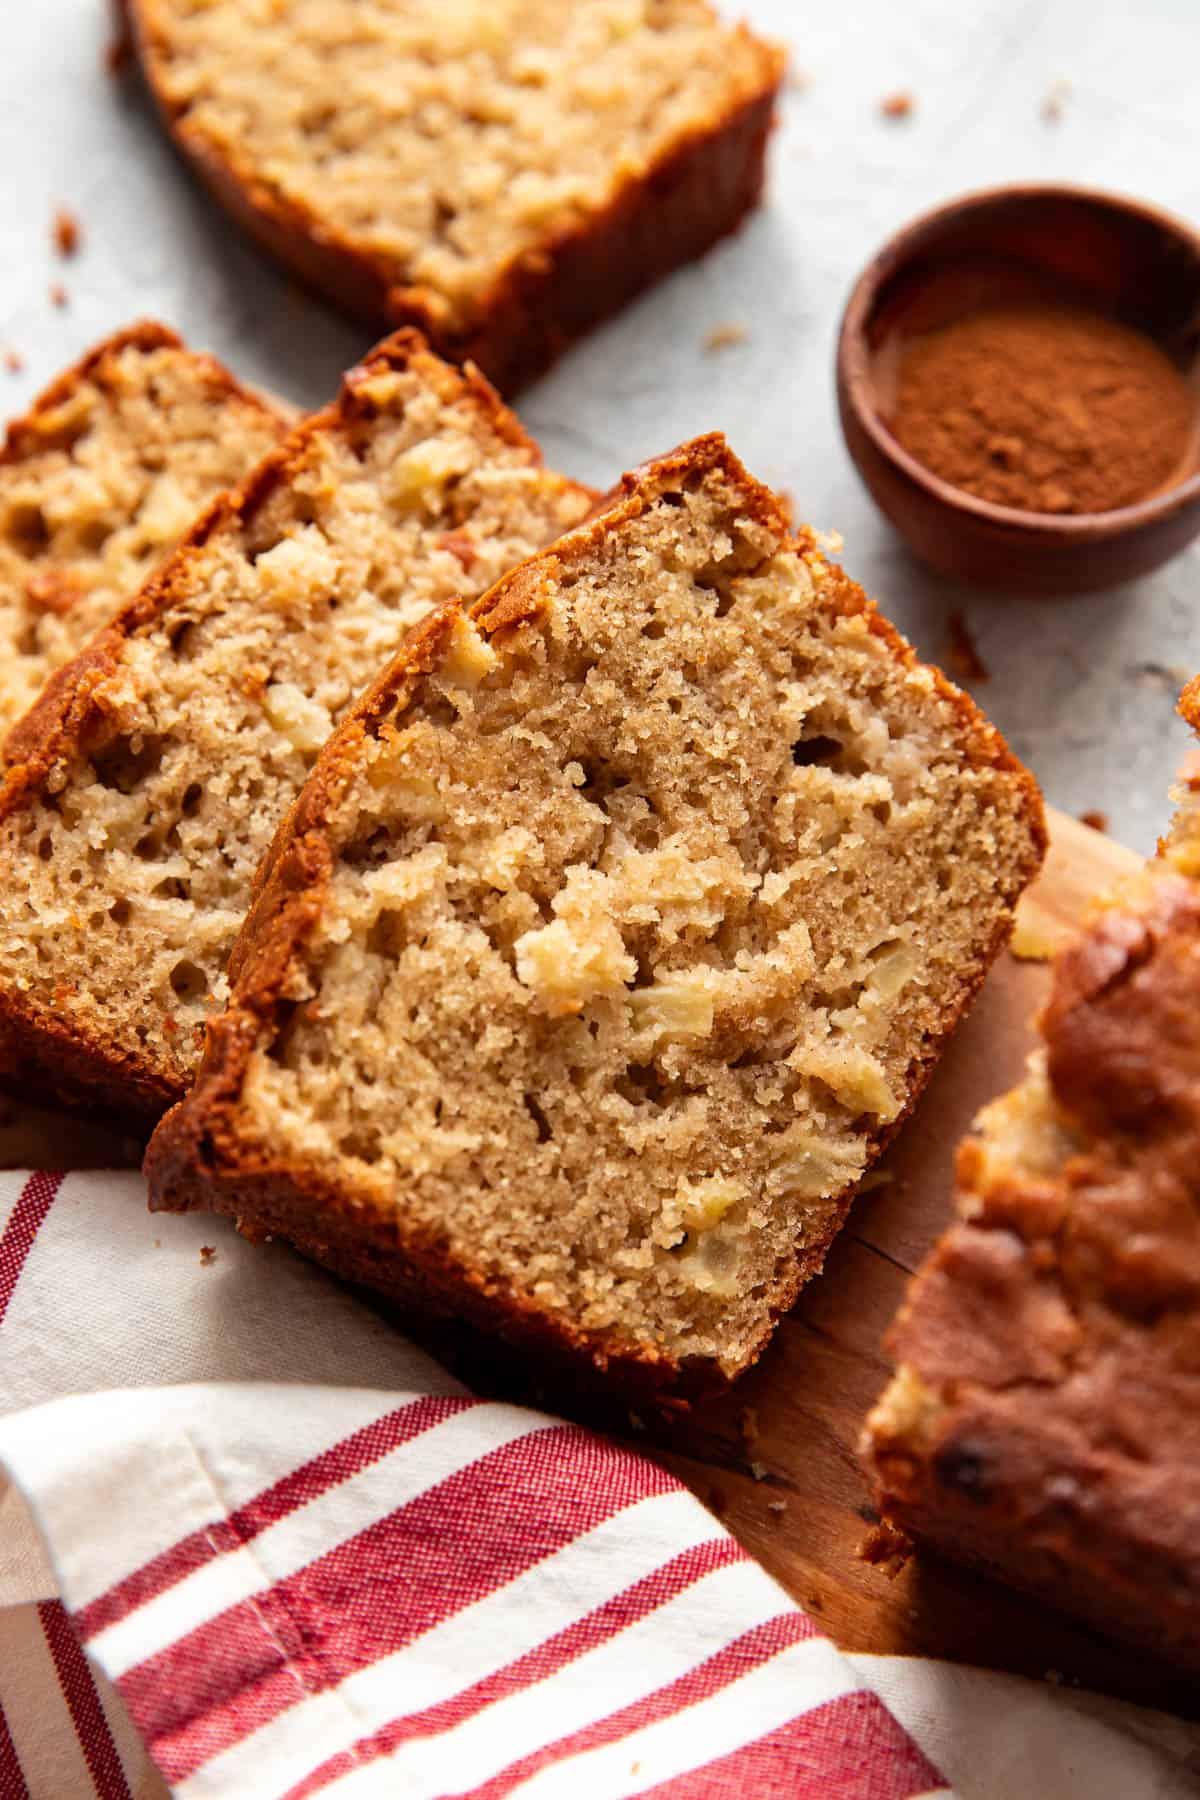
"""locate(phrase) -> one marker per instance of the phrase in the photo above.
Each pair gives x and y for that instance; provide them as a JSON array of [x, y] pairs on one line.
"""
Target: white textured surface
[[1085, 688]]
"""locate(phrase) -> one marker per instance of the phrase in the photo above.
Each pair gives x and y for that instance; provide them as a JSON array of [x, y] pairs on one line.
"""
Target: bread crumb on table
[[777, 1506], [58, 294], [962, 657], [1052, 105], [899, 105], [14, 362], [724, 337], [68, 233], [208, 1255], [1095, 818], [1029, 943]]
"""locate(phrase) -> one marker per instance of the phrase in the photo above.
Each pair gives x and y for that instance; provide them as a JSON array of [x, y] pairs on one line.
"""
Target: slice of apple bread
[[613, 933], [147, 783], [100, 479]]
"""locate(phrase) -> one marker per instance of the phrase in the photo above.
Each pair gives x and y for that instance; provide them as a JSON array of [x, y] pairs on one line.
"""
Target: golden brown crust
[[144, 334], [698, 192], [1055, 1330], [199, 1157], [84, 1068], [23, 435]]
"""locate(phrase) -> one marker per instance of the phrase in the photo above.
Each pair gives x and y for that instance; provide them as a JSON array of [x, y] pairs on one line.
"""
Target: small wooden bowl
[[1039, 242]]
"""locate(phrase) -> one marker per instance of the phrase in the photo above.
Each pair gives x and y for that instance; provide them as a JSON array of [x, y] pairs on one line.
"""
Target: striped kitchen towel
[[301, 1560]]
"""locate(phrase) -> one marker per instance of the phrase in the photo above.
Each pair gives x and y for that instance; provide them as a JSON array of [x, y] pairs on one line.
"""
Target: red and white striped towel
[[302, 1561]]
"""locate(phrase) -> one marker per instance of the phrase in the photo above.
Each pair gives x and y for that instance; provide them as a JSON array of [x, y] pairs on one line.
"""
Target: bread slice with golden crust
[[499, 173], [613, 934], [100, 479], [148, 781], [1044, 1421]]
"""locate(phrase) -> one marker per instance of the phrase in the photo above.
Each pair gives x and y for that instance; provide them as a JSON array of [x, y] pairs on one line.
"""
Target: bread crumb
[[759, 1470], [724, 337], [962, 658], [14, 362], [58, 294], [1097, 820], [1052, 105], [898, 105], [68, 233], [208, 1255], [1028, 943], [748, 1424], [777, 1506], [886, 1547]]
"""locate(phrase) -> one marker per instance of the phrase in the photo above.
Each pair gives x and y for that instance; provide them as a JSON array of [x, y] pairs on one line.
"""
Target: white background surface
[[1084, 688]]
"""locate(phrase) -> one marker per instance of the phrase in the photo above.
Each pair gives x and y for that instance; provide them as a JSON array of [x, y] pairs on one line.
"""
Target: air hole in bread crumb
[[444, 215], [369, 852], [92, 535], [26, 530], [180, 636], [386, 937], [644, 1085], [188, 982], [192, 796], [126, 762], [544, 1133], [120, 912], [363, 1144], [814, 752], [45, 847]]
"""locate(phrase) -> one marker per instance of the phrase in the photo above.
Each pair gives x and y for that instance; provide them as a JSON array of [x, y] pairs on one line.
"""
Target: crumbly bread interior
[[448, 138], [645, 916], [127, 869], [98, 486]]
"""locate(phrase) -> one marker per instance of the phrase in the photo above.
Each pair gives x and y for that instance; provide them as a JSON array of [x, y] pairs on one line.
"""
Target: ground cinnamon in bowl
[[1044, 407]]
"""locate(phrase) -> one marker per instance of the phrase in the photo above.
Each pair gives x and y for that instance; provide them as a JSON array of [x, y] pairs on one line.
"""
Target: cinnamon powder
[[1044, 407]]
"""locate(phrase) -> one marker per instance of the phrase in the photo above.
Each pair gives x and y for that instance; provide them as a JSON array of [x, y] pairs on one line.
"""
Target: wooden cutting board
[[788, 1432]]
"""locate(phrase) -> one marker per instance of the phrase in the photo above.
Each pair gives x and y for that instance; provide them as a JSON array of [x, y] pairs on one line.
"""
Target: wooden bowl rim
[[855, 384]]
